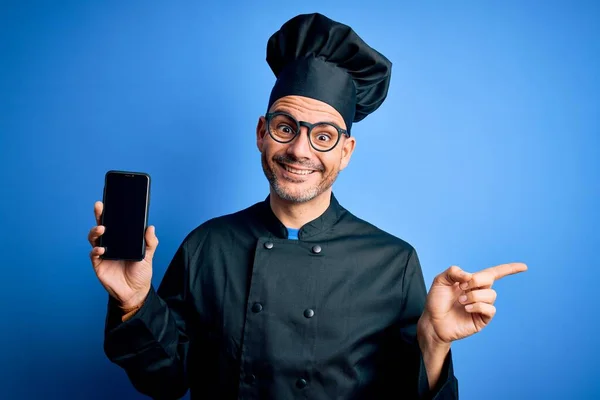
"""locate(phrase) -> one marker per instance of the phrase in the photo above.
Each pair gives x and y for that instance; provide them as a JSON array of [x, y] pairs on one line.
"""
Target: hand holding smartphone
[[123, 244]]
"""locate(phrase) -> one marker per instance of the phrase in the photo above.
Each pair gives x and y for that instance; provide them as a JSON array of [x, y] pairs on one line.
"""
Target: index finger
[[98, 207], [500, 271]]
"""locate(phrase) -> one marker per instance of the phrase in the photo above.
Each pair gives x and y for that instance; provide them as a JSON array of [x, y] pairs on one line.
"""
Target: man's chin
[[295, 195]]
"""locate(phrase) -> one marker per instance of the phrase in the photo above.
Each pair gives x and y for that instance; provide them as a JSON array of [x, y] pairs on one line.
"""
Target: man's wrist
[[428, 338], [135, 302], [433, 349]]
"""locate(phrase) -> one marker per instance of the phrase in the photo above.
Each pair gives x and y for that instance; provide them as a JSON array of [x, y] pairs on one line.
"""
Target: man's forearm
[[434, 352], [149, 346]]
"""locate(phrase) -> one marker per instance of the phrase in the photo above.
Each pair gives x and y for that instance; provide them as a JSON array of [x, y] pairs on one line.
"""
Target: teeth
[[298, 171]]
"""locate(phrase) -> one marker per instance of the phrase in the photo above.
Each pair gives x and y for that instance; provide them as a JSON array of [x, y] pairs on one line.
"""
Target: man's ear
[[261, 132], [347, 150]]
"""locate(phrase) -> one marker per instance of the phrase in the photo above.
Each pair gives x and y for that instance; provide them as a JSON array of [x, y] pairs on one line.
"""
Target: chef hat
[[314, 56]]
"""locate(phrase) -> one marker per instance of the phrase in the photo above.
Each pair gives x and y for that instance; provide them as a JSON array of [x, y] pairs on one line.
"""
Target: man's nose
[[300, 146]]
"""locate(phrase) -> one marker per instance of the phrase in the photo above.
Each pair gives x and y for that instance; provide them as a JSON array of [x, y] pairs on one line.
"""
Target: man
[[295, 297]]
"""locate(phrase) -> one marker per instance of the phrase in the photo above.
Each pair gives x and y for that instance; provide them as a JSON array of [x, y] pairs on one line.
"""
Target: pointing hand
[[460, 304]]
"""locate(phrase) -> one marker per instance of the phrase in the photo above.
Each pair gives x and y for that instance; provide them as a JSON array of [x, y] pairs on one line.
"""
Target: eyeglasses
[[323, 136]]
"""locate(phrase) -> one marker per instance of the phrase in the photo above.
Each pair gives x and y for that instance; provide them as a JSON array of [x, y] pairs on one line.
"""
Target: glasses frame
[[300, 124]]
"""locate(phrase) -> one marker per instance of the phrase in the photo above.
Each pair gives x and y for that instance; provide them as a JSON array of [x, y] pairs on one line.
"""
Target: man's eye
[[285, 129]]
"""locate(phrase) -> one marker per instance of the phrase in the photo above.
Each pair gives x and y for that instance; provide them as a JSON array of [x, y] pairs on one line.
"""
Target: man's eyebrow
[[288, 111], [285, 110]]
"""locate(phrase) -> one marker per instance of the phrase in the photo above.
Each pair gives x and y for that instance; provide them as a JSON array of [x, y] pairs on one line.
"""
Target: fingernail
[[469, 307], [464, 285], [462, 298]]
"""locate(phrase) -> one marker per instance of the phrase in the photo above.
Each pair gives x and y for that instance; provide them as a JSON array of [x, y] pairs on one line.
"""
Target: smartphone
[[125, 215]]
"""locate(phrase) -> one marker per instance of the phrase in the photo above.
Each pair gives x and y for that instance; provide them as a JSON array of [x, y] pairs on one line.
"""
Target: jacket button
[[316, 249], [268, 245], [257, 307], [301, 383], [309, 313]]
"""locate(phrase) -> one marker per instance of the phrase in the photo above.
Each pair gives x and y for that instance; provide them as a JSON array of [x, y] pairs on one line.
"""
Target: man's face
[[297, 172]]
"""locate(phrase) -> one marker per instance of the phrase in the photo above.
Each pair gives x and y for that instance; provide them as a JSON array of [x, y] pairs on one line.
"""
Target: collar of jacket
[[319, 225]]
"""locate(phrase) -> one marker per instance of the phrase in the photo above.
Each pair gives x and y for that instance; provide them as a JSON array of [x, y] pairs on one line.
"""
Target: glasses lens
[[282, 128], [324, 136]]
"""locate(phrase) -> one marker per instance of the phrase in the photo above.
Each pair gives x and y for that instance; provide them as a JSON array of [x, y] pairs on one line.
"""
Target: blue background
[[486, 151]]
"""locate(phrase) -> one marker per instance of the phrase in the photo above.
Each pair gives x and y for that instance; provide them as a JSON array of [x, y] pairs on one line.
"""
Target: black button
[[268, 245], [301, 383], [257, 307], [316, 249], [308, 313], [249, 379]]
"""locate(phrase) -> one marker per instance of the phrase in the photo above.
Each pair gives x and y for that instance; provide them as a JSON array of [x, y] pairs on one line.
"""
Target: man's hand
[[126, 281], [460, 304]]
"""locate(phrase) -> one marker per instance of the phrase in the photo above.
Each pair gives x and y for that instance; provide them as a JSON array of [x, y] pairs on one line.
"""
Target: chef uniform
[[246, 311]]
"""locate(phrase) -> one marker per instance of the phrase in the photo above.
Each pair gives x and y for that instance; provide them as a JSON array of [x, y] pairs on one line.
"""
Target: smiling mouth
[[296, 171]]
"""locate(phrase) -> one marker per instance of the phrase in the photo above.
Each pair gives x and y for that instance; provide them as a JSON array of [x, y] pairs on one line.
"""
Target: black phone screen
[[125, 215]]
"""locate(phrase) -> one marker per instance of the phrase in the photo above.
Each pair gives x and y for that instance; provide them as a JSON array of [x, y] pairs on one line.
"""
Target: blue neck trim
[[292, 234]]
